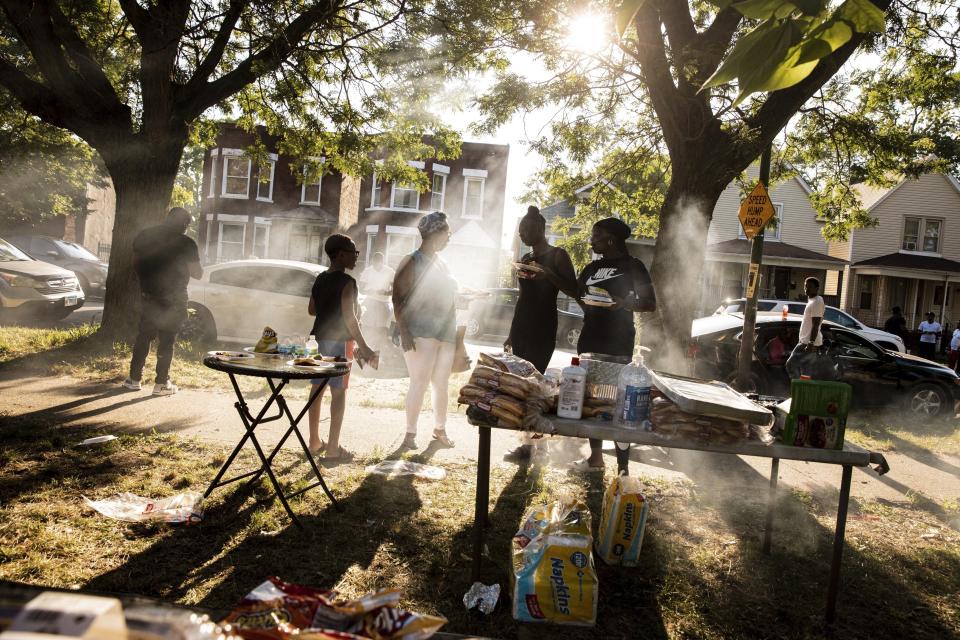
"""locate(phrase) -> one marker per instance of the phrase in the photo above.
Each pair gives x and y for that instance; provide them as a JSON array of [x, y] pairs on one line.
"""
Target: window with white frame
[[922, 234], [214, 160], [438, 193], [394, 248], [473, 197], [265, 181], [236, 174], [261, 240], [404, 196], [310, 190], [773, 228], [230, 241], [377, 190]]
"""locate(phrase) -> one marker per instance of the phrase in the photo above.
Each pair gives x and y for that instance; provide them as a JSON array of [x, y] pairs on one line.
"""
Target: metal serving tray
[[710, 398]]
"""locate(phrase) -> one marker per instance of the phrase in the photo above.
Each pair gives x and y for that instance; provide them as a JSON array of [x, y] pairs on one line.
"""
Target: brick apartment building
[[281, 218]]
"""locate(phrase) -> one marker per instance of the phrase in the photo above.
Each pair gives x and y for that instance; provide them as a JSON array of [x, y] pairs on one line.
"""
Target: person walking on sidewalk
[[533, 332], [805, 354], [333, 303], [424, 303], [164, 259], [609, 329]]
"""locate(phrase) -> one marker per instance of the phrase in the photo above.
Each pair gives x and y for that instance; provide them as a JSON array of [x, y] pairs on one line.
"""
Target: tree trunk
[[678, 263], [143, 176]]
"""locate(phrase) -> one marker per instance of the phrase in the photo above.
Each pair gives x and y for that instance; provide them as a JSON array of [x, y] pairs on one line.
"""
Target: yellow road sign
[[756, 211]]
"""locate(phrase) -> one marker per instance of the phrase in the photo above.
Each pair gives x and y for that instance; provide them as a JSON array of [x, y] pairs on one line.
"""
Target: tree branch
[[34, 97], [256, 65], [714, 42], [652, 56], [780, 106], [139, 19], [209, 64]]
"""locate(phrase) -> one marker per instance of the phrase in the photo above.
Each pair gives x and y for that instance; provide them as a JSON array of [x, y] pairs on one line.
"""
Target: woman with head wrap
[[609, 329], [424, 302], [533, 332]]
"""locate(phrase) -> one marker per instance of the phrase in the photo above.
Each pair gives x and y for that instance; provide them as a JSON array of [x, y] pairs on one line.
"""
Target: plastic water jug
[[633, 395]]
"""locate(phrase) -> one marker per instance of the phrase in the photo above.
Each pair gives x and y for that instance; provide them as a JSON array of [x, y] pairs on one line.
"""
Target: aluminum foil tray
[[711, 398]]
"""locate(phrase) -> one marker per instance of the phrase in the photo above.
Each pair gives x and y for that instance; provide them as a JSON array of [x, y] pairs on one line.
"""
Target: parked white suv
[[881, 338], [234, 301], [30, 288]]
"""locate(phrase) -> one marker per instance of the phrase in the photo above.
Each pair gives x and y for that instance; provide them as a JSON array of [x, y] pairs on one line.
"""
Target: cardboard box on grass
[[818, 414], [623, 519], [553, 577]]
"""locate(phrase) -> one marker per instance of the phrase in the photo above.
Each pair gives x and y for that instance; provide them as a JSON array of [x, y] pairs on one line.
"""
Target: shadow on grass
[[329, 545]]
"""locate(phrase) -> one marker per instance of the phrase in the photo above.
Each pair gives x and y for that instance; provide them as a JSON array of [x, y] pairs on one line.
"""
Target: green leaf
[[768, 69], [626, 14], [824, 40], [810, 7], [762, 9], [721, 4], [863, 16], [761, 38]]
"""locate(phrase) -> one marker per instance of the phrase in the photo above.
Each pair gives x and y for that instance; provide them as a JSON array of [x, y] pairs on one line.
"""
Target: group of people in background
[[423, 294], [930, 333]]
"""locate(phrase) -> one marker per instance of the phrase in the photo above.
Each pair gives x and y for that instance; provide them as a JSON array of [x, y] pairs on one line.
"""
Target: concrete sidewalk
[[924, 479]]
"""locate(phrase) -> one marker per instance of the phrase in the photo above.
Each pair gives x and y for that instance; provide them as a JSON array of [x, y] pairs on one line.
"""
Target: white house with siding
[[911, 259], [794, 248]]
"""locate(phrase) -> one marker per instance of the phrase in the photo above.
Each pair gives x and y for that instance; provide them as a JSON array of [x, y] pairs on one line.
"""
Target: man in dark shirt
[[165, 260], [896, 324]]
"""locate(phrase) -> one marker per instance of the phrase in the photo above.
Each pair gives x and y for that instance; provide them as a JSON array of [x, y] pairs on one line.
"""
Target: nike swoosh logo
[[592, 280]]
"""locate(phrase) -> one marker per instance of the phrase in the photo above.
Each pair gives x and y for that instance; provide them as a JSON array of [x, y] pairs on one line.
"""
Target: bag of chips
[[267, 342], [277, 610]]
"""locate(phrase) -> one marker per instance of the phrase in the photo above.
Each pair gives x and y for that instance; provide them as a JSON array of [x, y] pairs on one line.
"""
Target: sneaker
[[523, 453], [584, 466], [165, 389], [409, 441], [133, 385]]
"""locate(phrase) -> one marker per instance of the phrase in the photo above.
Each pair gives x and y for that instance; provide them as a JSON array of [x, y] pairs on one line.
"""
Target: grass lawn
[[703, 574]]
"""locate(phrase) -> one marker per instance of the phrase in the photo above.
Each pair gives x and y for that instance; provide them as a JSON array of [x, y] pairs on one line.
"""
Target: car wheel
[[573, 337], [474, 328], [199, 327], [928, 400]]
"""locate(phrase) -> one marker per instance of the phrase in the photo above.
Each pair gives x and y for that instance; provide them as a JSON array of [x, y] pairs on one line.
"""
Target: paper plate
[[257, 354], [230, 356], [321, 365], [523, 266], [598, 302]]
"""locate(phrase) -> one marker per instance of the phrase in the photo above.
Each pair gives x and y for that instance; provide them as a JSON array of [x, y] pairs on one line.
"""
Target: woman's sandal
[[441, 437], [316, 452], [342, 456]]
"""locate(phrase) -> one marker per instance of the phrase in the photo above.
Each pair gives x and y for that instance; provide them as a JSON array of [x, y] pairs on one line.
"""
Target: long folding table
[[849, 457]]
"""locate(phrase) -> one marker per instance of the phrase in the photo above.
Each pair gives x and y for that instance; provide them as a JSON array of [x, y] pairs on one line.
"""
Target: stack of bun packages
[[509, 391], [623, 518]]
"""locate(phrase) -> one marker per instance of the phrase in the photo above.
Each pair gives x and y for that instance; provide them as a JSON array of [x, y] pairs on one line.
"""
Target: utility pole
[[745, 362]]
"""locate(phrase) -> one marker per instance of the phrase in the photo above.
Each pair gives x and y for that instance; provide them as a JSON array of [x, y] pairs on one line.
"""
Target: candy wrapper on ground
[[276, 610], [553, 576], [622, 520], [183, 507]]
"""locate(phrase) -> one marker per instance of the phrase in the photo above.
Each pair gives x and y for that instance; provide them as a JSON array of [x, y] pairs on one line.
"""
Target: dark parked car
[[878, 376], [90, 270], [492, 315]]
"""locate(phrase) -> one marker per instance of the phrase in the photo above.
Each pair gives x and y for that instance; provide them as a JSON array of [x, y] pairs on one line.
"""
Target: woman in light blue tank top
[[424, 301]]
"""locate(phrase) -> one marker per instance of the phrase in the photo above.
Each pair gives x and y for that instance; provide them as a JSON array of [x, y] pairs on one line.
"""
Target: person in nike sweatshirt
[[609, 329]]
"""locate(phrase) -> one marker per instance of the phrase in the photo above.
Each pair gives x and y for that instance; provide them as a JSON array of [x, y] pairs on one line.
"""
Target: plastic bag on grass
[[183, 507], [393, 468]]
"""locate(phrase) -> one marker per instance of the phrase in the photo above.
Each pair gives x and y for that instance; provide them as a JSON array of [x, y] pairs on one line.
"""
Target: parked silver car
[[234, 301], [831, 314], [90, 270], [31, 288]]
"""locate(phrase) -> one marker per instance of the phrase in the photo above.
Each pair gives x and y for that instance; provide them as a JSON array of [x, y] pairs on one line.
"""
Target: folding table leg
[[482, 508], [834, 588], [294, 422], [771, 504], [248, 424]]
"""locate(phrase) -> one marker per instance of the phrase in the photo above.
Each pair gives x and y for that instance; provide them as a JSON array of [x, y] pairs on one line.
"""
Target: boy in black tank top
[[333, 303]]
